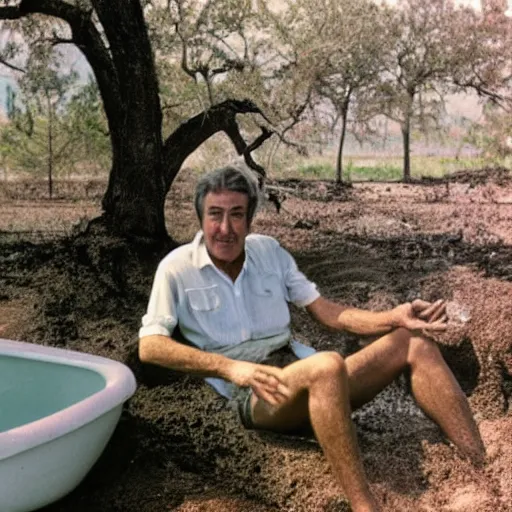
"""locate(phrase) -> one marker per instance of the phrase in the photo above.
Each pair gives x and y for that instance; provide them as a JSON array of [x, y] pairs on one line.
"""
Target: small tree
[[494, 135], [424, 39], [35, 137], [350, 56], [85, 123]]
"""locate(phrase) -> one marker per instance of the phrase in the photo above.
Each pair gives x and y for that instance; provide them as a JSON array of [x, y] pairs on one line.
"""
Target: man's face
[[225, 224]]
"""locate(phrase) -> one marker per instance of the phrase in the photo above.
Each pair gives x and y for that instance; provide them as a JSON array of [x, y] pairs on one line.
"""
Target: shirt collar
[[200, 256]]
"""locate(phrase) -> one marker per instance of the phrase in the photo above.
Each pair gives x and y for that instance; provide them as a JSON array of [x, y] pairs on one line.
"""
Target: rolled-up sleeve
[[161, 317], [299, 289]]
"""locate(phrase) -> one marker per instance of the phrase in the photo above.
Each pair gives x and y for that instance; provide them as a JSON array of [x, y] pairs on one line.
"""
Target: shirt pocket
[[203, 299]]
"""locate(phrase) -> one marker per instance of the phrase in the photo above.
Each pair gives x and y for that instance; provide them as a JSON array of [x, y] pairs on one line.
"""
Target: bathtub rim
[[120, 385]]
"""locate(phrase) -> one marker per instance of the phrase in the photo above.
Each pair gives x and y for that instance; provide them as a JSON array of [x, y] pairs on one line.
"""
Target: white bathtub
[[58, 409]]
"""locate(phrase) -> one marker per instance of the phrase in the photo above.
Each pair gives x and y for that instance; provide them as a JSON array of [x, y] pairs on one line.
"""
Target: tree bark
[[339, 157], [50, 146], [406, 137], [133, 204]]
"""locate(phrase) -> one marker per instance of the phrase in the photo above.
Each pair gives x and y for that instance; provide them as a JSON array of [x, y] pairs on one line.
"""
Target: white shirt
[[212, 310], [218, 315]]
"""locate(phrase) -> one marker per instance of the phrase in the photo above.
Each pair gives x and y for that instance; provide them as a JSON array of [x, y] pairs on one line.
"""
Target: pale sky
[[476, 4]]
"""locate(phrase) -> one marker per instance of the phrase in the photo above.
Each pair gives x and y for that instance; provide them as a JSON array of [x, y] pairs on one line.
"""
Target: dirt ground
[[178, 447]]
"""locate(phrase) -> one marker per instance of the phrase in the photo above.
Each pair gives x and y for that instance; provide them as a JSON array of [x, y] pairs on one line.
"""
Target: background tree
[[484, 65], [36, 138], [349, 51], [288, 66], [84, 120], [493, 136], [423, 37]]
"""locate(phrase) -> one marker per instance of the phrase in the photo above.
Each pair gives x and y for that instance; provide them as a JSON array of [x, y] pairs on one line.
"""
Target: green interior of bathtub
[[32, 389]]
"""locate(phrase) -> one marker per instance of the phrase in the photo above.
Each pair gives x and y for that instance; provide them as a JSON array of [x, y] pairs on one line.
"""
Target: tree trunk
[[50, 147], [339, 158], [385, 137], [133, 204], [344, 116], [406, 137]]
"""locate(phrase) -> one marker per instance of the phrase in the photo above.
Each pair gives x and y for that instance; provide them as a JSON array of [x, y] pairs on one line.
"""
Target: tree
[[207, 53], [113, 36], [74, 123], [494, 135], [35, 139], [484, 58], [424, 39], [350, 55], [286, 67], [85, 122]]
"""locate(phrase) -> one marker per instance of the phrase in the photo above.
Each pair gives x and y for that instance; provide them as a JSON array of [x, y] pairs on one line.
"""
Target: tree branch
[[54, 41], [480, 89], [11, 66], [184, 57], [193, 132], [244, 149]]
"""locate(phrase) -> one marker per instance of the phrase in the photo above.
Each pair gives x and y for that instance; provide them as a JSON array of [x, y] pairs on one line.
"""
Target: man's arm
[[414, 315], [164, 351], [266, 381]]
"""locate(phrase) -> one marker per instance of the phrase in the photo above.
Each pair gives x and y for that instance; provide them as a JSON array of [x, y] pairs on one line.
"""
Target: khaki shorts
[[241, 399]]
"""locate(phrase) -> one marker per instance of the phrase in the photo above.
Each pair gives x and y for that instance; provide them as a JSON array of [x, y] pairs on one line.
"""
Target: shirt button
[[237, 293]]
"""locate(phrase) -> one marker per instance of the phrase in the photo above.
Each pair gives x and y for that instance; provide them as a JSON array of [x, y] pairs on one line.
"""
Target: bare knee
[[402, 335], [327, 365], [417, 348], [422, 350]]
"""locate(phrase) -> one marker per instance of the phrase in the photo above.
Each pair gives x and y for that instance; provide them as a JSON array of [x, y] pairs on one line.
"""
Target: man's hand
[[267, 382], [421, 315]]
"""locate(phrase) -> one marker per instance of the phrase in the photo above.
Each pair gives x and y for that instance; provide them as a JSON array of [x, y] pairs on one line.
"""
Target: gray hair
[[229, 178]]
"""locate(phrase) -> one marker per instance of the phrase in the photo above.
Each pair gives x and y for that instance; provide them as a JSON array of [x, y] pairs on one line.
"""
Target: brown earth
[[178, 447]]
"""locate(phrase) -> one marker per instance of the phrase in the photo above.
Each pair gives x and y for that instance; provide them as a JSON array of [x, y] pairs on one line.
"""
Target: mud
[[179, 447]]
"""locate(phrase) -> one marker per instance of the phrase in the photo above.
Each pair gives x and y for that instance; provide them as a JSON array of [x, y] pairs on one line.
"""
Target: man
[[228, 290]]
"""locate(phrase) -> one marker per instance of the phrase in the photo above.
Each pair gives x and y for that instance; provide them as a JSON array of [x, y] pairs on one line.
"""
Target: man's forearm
[[359, 321], [166, 352], [342, 318]]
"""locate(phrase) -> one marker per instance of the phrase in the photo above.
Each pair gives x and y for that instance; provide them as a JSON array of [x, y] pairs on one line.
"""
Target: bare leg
[[321, 396], [433, 385], [324, 388]]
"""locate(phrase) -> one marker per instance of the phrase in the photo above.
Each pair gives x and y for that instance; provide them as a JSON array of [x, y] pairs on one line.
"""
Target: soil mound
[[498, 175]]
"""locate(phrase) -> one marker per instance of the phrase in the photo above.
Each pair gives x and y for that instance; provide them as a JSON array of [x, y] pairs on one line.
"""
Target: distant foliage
[[494, 135], [316, 69], [324, 171], [373, 173], [75, 123]]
